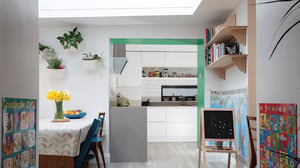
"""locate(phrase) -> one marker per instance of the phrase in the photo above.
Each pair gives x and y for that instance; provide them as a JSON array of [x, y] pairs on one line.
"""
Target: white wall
[[90, 91], [18, 46], [278, 79]]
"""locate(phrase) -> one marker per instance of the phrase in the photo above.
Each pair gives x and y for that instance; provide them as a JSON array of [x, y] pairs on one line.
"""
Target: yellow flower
[[58, 95]]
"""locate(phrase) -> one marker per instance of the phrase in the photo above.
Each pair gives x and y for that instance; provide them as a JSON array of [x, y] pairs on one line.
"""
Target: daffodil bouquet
[[58, 96]]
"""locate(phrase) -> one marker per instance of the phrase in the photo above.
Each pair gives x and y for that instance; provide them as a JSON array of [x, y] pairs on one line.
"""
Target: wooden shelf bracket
[[240, 63], [239, 35], [220, 72]]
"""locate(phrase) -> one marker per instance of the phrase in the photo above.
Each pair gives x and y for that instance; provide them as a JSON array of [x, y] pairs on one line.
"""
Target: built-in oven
[[178, 92]]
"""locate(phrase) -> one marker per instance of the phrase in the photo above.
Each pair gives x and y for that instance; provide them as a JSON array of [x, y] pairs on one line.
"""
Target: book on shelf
[[214, 52], [210, 32]]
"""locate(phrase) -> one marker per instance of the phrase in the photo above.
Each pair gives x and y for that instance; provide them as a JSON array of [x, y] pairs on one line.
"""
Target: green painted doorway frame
[[199, 42]]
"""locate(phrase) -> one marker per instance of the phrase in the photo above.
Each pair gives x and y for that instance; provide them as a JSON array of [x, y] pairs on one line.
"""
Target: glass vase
[[59, 110]]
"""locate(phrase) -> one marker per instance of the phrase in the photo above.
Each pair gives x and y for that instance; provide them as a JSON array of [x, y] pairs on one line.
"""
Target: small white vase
[[91, 65], [57, 73]]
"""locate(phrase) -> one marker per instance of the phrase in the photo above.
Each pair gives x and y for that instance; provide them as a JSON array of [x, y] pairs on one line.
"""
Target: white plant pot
[[91, 65], [57, 73]]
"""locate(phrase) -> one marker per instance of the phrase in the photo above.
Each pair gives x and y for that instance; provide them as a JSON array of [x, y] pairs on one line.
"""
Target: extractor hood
[[119, 58]]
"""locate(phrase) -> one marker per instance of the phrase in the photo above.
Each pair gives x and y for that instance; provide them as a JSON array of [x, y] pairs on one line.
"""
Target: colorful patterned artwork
[[278, 135], [18, 133]]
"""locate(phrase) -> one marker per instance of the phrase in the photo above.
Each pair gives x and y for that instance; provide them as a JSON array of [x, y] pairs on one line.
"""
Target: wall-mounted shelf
[[228, 33], [226, 62]]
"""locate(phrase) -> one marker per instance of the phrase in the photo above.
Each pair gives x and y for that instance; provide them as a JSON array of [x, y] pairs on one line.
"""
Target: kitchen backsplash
[[151, 87]]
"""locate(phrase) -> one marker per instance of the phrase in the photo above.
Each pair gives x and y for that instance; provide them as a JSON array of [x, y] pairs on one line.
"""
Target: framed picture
[[18, 133]]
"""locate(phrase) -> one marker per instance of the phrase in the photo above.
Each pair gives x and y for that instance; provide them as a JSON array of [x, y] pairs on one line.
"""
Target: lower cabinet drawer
[[181, 129], [156, 129]]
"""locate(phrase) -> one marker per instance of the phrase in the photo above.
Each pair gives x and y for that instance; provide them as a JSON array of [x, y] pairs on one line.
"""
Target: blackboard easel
[[217, 125]]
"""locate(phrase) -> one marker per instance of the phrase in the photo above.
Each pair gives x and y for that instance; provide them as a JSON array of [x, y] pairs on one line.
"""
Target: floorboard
[[175, 155]]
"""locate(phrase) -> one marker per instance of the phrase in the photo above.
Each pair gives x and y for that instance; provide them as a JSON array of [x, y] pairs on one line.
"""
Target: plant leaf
[[282, 36], [275, 1], [286, 13], [75, 29]]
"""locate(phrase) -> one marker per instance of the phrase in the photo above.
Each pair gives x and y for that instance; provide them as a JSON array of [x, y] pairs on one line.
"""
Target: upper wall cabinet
[[181, 56], [181, 59], [153, 59], [169, 59]]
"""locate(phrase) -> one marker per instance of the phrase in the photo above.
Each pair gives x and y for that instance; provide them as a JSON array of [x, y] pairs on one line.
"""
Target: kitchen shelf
[[227, 61], [228, 33]]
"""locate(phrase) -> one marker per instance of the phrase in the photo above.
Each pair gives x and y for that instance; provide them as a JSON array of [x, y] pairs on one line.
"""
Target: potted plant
[[91, 61], [55, 68], [70, 39], [46, 52]]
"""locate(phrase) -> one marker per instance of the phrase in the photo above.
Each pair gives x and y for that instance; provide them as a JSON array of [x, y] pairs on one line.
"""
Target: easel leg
[[229, 155], [199, 155], [229, 158], [204, 158]]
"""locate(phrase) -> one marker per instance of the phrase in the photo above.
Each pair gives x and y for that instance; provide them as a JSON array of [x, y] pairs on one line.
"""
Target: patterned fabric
[[62, 138]]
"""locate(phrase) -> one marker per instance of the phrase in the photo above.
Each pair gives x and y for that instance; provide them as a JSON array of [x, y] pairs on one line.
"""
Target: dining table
[[59, 142]]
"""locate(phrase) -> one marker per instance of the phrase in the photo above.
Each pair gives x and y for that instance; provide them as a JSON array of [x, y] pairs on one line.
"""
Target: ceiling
[[209, 12]]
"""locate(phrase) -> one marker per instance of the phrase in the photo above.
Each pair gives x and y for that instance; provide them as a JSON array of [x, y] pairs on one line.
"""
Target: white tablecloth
[[62, 138]]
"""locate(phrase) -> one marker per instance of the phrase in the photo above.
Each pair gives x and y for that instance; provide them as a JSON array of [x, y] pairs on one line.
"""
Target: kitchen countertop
[[171, 103]]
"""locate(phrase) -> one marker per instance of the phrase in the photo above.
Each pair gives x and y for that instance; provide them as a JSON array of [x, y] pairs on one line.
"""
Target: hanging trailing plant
[[72, 38], [42, 47]]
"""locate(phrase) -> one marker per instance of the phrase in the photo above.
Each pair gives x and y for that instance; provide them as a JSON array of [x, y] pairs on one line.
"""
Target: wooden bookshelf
[[227, 61], [228, 33]]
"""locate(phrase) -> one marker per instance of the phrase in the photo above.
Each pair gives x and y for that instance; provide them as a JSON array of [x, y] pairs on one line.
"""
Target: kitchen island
[[128, 134]]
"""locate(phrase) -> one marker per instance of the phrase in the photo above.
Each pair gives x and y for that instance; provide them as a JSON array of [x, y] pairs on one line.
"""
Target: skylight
[[109, 8]]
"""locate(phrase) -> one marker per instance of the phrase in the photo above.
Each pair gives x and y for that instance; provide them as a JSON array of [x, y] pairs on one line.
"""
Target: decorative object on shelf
[[72, 38], [59, 96], [91, 61]]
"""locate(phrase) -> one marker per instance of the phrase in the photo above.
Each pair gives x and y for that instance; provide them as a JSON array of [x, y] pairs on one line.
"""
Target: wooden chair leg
[[102, 153], [94, 149]]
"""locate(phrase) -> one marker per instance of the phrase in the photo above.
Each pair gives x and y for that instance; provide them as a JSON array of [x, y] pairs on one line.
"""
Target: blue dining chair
[[97, 142], [86, 144]]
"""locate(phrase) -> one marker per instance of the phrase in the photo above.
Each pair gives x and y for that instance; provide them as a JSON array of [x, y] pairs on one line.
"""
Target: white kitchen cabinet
[[156, 129], [182, 129], [156, 114], [181, 59], [181, 114], [180, 48], [132, 73], [172, 124], [153, 59]]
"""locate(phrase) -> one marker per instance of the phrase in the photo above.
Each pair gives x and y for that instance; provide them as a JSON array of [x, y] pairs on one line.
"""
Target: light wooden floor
[[175, 155]]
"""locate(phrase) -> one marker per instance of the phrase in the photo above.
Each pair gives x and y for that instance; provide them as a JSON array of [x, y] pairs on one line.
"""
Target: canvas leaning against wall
[[278, 135], [18, 133]]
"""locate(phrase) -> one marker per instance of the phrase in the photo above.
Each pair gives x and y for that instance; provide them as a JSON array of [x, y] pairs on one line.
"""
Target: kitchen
[[159, 81]]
